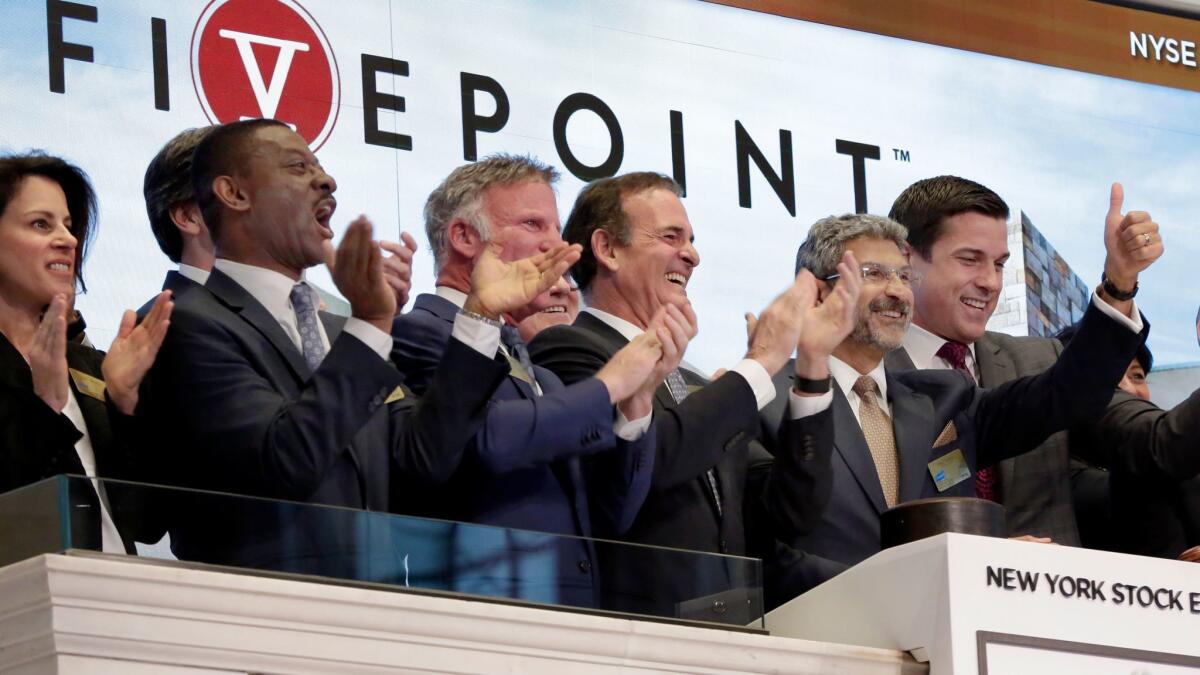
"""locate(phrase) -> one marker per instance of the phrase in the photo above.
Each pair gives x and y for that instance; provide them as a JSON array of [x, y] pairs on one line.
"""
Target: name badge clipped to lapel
[[87, 385], [949, 470], [396, 395]]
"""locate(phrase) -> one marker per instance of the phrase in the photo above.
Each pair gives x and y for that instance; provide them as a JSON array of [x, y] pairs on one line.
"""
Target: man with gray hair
[[900, 436], [548, 457]]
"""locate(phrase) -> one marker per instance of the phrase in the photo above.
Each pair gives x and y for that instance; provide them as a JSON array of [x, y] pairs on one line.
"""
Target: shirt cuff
[[1134, 324], [628, 430], [379, 341], [805, 406], [759, 380], [478, 335]]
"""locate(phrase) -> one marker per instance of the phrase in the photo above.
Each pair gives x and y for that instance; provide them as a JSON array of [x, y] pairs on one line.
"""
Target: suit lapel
[[447, 311], [333, 326], [244, 305], [996, 367], [95, 412], [725, 479], [910, 412], [615, 341], [852, 446], [898, 360]]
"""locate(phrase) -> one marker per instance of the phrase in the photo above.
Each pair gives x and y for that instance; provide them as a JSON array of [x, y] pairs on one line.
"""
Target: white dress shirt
[[813, 406], [629, 430], [110, 539], [922, 347], [752, 371], [846, 376], [194, 273]]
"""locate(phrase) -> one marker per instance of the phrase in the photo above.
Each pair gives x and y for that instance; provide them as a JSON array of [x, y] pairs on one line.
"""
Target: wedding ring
[[1146, 238]]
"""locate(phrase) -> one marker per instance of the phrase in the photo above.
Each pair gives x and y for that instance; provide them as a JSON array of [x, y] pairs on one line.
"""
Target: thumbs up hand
[[1131, 240]]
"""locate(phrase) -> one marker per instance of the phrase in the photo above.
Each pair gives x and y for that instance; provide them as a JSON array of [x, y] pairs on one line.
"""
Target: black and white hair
[[822, 250]]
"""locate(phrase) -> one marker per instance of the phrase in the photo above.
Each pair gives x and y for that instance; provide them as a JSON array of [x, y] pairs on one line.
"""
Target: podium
[[969, 604], [106, 614], [329, 590]]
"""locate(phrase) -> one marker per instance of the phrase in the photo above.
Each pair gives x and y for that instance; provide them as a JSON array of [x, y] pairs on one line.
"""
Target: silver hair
[[822, 250], [460, 196]]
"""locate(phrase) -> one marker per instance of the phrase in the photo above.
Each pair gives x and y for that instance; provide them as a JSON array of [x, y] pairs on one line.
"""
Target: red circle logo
[[266, 58]]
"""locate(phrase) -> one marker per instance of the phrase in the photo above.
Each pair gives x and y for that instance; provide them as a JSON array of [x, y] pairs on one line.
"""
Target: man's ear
[[464, 240], [187, 217], [823, 289], [605, 251], [227, 190]]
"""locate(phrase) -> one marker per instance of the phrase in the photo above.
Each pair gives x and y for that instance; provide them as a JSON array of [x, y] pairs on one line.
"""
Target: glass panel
[[401, 551]]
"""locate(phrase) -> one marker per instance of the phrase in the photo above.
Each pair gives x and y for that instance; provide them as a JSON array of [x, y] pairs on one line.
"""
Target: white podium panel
[[101, 614], [972, 604]]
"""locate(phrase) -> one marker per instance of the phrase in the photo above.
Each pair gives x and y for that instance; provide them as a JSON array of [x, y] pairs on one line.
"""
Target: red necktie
[[955, 353]]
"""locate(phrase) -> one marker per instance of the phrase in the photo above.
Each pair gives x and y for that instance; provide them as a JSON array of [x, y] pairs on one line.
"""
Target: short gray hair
[[460, 196], [827, 238]]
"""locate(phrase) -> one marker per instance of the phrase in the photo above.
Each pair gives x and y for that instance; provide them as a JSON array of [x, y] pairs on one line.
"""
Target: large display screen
[[770, 122]]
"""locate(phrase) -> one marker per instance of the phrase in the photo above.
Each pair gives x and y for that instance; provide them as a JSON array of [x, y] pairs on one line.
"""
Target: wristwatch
[[1114, 292]]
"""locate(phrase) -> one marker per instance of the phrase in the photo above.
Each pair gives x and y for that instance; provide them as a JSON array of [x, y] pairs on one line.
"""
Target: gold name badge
[[87, 384], [949, 470]]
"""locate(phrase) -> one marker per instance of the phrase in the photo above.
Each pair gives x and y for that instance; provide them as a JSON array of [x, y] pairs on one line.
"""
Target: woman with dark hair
[[64, 407]]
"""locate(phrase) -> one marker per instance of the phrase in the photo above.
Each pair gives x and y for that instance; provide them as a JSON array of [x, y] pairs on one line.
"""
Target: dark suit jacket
[[1034, 486], [710, 429], [524, 468], [1153, 494], [174, 282], [990, 425], [244, 414], [36, 443]]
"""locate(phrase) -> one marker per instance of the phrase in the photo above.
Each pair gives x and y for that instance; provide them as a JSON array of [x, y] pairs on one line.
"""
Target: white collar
[[452, 294], [846, 375], [270, 288], [194, 273], [626, 329], [922, 347], [630, 331]]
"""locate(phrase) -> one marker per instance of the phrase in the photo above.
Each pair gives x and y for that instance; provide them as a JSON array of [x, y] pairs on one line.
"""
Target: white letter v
[[266, 94]]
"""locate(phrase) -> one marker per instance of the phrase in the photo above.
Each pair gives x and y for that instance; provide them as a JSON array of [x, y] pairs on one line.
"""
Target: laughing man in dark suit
[[638, 258], [263, 395], [958, 233]]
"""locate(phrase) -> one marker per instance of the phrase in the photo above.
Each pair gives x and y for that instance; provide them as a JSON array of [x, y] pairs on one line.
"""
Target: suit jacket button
[[376, 402], [808, 456], [718, 607], [585, 566]]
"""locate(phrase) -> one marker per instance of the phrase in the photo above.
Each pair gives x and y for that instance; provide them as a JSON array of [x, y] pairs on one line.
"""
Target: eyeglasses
[[874, 273]]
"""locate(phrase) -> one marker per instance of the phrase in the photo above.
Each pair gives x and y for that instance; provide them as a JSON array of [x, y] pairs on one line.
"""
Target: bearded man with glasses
[[901, 436]]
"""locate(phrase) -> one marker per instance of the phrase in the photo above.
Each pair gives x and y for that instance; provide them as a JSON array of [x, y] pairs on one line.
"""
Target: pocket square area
[[948, 435]]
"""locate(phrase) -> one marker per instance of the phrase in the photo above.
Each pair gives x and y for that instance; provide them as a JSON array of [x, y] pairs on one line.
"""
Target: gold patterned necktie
[[881, 439]]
